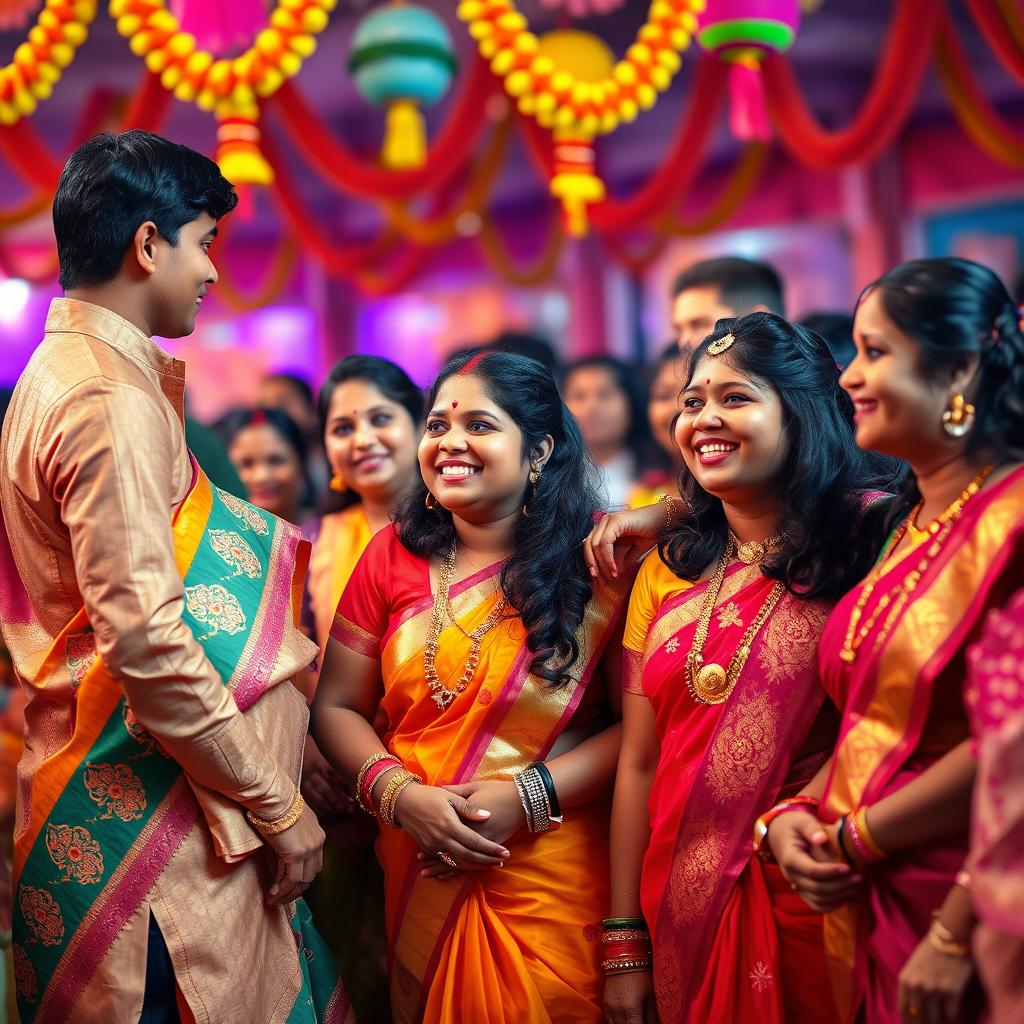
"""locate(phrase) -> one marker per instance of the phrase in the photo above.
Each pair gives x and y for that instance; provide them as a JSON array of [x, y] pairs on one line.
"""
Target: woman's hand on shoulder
[[805, 856], [621, 539]]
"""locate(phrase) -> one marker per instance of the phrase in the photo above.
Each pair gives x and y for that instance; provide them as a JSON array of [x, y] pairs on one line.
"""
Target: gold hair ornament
[[716, 348]]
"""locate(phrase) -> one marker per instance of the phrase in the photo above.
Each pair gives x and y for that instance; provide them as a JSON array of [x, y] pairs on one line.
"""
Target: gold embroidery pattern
[[791, 638], [237, 553], [761, 977], [215, 607], [671, 646], [729, 615], [75, 852], [79, 653], [117, 789], [24, 975], [141, 734], [744, 748], [42, 914], [695, 870], [251, 519]]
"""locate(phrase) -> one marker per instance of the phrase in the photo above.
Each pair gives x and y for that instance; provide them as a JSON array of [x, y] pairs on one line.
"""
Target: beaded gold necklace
[[441, 694], [895, 600]]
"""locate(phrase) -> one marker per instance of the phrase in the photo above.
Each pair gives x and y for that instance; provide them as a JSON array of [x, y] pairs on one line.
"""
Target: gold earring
[[534, 479], [958, 419], [430, 501], [337, 484]]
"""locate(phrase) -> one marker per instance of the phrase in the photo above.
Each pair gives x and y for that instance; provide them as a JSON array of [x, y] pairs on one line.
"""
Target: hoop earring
[[958, 419], [534, 479], [337, 484], [431, 502]]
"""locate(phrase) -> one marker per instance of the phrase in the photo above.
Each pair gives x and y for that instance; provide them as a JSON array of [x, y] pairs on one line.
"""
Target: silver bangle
[[535, 800]]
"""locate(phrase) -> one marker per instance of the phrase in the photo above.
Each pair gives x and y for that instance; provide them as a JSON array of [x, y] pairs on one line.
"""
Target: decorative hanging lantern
[[743, 33], [575, 181], [402, 57]]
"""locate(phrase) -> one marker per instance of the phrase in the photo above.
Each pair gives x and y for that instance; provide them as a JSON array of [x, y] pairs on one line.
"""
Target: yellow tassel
[[405, 136], [243, 165], [577, 190]]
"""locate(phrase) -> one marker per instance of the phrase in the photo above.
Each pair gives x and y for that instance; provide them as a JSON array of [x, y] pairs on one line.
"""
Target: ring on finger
[[448, 859]]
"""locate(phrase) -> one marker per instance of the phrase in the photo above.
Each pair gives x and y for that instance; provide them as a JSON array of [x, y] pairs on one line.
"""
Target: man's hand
[[300, 856]]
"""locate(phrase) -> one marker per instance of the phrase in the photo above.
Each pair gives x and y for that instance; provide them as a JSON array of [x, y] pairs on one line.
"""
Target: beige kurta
[[92, 466]]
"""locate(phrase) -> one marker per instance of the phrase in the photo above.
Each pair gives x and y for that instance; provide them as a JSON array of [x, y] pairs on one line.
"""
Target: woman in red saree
[[723, 712], [937, 380], [473, 636]]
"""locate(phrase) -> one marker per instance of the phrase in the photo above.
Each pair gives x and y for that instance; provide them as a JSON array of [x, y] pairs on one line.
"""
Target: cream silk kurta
[[93, 464]]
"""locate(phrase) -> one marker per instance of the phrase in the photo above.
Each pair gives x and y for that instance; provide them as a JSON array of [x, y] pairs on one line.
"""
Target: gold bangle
[[389, 798], [364, 768], [943, 940], [671, 509], [622, 966], [861, 818], [392, 819], [286, 820]]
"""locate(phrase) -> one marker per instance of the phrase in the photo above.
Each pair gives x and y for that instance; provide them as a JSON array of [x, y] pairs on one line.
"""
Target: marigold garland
[[228, 86], [51, 45], [556, 98]]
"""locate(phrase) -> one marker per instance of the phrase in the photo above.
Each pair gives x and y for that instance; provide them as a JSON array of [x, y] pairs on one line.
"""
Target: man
[[722, 287], [139, 635]]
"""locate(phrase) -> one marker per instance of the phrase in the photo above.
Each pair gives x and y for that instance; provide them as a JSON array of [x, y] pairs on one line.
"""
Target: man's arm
[[108, 461]]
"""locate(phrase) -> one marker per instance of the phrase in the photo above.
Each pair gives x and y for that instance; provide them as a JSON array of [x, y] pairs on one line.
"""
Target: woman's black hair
[[638, 438], [113, 183], [953, 309], [389, 379], [826, 541], [545, 578]]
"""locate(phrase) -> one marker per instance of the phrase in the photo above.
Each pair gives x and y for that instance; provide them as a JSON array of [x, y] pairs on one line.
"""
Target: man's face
[[183, 274], [694, 312]]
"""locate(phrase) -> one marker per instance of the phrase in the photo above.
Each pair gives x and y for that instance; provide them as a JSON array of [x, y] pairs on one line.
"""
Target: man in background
[[722, 287]]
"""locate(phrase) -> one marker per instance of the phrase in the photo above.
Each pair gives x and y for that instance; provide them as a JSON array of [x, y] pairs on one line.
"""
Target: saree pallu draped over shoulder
[[103, 817], [903, 709], [519, 943], [726, 934]]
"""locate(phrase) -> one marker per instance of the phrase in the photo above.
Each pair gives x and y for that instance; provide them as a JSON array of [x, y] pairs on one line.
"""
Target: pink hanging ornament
[[221, 26], [14, 13]]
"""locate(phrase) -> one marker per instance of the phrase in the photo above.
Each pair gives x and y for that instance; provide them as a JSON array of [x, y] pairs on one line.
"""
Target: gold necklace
[[711, 683], [752, 552], [895, 600], [440, 693]]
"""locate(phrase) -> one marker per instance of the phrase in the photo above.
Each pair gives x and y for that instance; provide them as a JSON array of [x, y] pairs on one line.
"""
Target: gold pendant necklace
[[441, 694], [752, 552], [712, 683]]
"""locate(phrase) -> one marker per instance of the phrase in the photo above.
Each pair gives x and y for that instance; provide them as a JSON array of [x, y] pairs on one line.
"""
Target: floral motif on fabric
[[591, 932], [215, 607], [672, 645], [42, 914], [24, 975], [744, 748], [791, 639], [729, 615], [250, 518], [761, 977], [237, 553], [117, 789], [79, 653], [138, 732], [75, 852], [695, 871], [484, 698]]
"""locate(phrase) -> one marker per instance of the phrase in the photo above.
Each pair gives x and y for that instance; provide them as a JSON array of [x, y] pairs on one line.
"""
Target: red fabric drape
[[891, 98], [1001, 33]]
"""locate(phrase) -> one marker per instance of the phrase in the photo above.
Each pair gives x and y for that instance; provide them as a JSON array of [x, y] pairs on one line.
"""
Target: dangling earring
[[337, 484], [534, 479], [958, 419], [430, 501]]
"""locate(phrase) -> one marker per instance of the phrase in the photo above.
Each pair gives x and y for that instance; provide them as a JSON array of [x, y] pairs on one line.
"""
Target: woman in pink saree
[[723, 712], [937, 380]]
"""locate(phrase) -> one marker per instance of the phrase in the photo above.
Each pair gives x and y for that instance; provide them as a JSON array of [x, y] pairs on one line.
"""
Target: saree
[[731, 941], [903, 709], [995, 701], [106, 814], [517, 943]]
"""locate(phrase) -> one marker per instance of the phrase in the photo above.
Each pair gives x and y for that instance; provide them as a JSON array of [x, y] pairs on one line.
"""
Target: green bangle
[[610, 923]]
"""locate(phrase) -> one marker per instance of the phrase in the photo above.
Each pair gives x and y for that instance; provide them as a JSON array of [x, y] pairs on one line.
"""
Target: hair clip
[[716, 348]]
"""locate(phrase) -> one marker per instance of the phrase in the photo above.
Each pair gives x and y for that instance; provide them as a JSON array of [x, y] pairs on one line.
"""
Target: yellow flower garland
[[60, 29], [228, 86], [556, 98]]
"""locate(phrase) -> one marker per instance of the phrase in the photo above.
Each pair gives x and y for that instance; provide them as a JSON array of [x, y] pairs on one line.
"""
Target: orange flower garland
[[60, 29], [228, 86]]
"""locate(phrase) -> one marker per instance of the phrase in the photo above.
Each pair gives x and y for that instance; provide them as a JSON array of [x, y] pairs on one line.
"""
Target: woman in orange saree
[[723, 712], [937, 380], [371, 415], [473, 635]]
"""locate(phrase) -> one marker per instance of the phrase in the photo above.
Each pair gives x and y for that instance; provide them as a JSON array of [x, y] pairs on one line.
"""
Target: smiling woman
[[474, 638]]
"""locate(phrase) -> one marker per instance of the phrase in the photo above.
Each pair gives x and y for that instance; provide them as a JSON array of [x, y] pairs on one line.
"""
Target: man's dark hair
[[742, 284], [837, 330], [297, 384], [113, 183]]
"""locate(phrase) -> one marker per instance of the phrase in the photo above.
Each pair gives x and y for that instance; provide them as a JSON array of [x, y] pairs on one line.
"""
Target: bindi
[[707, 383], [455, 405]]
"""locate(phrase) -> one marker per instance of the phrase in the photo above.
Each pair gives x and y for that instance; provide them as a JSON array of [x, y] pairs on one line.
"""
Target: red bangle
[[792, 803], [374, 773]]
